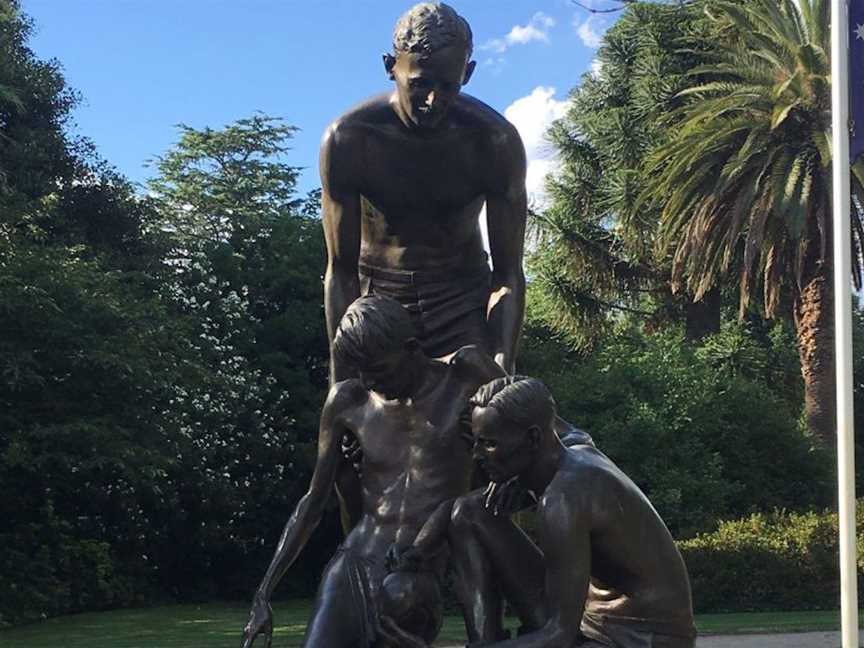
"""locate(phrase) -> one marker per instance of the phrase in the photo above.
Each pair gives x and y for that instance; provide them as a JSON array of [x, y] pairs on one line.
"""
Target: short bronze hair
[[372, 325], [524, 401], [430, 26]]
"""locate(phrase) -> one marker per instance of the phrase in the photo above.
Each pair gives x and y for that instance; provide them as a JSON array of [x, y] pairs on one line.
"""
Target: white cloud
[[526, 34], [536, 30], [532, 115], [596, 67], [590, 31]]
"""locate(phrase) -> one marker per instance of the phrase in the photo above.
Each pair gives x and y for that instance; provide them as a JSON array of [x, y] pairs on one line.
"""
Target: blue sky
[[143, 66]]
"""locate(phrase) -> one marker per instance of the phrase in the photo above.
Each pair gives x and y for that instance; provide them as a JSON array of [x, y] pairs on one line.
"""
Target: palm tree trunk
[[814, 324]]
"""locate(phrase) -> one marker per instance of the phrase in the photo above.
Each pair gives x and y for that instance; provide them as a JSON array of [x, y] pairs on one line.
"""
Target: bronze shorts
[[448, 307]]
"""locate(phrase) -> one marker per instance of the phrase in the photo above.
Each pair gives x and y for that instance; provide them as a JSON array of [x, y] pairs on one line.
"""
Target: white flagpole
[[843, 320]]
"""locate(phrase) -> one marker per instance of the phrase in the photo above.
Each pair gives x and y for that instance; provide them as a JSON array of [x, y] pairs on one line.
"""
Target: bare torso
[[415, 454], [439, 456], [380, 428], [637, 573], [421, 193]]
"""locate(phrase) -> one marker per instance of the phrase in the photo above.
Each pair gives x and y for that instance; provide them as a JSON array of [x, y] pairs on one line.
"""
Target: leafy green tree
[[595, 259], [35, 104], [248, 251], [158, 383], [708, 431], [744, 185], [247, 256], [88, 355], [89, 362]]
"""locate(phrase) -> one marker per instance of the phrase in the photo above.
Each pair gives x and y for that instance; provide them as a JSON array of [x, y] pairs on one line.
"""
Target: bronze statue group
[[430, 440]]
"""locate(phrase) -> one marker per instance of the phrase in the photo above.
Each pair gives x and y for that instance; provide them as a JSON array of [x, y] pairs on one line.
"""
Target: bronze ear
[[389, 63], [469, 70], [534, 433]]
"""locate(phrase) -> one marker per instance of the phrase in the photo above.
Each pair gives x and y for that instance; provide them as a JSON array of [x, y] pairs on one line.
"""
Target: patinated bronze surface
[[404, 176], [407, 413], [606, 573]]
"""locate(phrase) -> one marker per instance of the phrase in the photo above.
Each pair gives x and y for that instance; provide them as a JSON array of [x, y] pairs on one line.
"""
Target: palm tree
[[744, 186], [592, 260]]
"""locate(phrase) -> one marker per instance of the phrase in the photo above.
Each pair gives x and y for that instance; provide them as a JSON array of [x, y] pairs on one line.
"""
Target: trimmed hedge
[[775, 561]]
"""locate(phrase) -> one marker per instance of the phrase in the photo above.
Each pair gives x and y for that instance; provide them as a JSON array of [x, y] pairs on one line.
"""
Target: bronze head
[[510, 417], [377, 337], [431, 61]]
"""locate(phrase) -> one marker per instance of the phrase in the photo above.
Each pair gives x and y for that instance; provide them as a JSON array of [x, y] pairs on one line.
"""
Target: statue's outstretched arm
[[340, 217], [303, 521]]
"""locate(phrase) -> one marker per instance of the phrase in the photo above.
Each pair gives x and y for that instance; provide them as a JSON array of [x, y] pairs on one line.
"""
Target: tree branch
[[602, 11]]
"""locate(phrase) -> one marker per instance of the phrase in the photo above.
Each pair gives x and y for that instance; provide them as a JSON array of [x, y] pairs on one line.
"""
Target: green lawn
[[218, 626]]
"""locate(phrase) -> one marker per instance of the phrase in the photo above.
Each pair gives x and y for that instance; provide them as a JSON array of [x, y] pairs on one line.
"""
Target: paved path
[[794, 640], [790, 640]]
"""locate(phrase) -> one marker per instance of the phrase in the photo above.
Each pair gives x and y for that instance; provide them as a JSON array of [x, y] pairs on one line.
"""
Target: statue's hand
[[353, 452], [260, 622], [393, 635], [508, 497], [408, 559]]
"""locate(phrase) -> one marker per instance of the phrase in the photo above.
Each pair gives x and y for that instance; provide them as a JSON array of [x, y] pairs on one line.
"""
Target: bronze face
[[502, 448], [389, 374], [427, 84]]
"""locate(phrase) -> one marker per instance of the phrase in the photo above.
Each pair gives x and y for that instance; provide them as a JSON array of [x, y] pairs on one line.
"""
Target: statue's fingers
[[386, 630], [248, 638], [490, 495]]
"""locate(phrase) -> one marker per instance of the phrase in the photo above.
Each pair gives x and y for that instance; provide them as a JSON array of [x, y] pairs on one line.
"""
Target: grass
[[218, 625]]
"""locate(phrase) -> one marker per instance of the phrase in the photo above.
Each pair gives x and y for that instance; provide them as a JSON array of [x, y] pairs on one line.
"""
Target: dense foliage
[[159, 377], [744, 184], [163, 358], [695, 172], [770, 561], [595, 255], [708, 431]]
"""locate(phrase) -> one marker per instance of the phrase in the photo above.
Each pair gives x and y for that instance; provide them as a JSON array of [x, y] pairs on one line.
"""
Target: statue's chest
[[394, 436], [421, 173], [381, 432], [435, 434]]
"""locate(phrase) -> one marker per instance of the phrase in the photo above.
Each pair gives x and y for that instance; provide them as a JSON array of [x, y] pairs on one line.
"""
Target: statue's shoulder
[[474, 365], [345, 395], [473, 113], [570, 435], [585, 481], [356, 123], [587, 465]]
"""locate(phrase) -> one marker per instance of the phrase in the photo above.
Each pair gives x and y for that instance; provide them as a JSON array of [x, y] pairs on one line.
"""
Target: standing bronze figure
[[404, 177]]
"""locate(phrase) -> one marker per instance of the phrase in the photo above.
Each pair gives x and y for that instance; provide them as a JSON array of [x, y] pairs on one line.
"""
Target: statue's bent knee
[[468, 510], [413, 600]]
